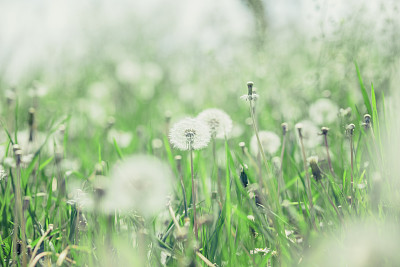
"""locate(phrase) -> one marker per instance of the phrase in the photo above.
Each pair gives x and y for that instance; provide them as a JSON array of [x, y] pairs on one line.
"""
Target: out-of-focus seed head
[[218, 121], [142, 183], [309, 133], [270, 143], [156, 143], [323, 111]]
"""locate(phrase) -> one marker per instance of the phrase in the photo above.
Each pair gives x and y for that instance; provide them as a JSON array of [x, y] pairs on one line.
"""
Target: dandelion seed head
[[323, 111], [310, 133], [190, 133], [219, 122], [141, 183], [122, 138], [270, 142]]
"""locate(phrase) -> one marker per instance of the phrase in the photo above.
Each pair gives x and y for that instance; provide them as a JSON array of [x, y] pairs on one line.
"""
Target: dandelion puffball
[[189, 133], [142, 183], [270, 142], [219, 122], [323, 111], [310, 133]]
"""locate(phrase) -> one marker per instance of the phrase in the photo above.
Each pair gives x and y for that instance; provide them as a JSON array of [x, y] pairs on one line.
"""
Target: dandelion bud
[[316, 171], [250, 88], [243, 175], [16, 147], [29, 250], [242, 145], [350, 129], [285, 128], [18, 156], [367, 121], [324, 130], [178, 159], [299, 127], [59, 155], [10, 96], [31, 118], [98, 169]]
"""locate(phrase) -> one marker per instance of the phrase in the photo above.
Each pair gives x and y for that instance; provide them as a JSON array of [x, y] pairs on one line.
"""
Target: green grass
[[241, 225]]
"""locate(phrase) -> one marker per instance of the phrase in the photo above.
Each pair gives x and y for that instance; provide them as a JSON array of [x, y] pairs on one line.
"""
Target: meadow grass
[[303, 171], [244, 218]]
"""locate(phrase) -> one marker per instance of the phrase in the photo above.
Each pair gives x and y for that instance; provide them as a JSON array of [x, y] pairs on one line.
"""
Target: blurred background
[[200, 53], [130, 64]]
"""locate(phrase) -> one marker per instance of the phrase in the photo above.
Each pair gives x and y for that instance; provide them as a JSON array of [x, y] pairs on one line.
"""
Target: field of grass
[[233, 148]]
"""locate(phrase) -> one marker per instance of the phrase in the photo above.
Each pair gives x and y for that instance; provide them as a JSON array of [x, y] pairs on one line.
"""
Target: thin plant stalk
[[193, 192], [19, 213], [308, 181], [350, 129], [281, 181], [331, 202], [179, 167], [264, 159], [325, 134]]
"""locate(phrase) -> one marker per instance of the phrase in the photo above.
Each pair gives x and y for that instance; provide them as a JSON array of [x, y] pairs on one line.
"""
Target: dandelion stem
[[281, 181], [259, 142], [331, 202], [328, 155], [193, 193], [179, 167], [308, 181], [352, 168], [19, 213]]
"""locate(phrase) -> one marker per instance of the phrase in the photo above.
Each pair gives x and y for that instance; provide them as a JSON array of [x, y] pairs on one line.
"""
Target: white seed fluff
[[189, 133], [323, 111], [141, 183], [270, 142], [310, 133], [219, 122]]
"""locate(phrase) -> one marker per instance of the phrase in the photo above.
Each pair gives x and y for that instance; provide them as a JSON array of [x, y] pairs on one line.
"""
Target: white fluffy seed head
[[323, 111], [190, 133], [218, 121], [310, 133], [270, 142], [141, 183]]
